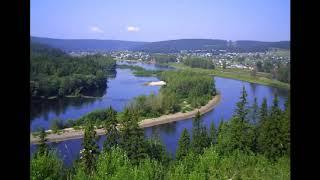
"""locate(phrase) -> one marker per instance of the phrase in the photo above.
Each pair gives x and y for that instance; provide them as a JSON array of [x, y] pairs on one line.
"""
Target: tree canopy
[[54, 73]]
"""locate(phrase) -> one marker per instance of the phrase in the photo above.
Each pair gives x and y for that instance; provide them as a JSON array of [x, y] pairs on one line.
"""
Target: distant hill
[[211, 44], [183, 44], [245, 46], [87, 44], [39, 48], [169, 46]]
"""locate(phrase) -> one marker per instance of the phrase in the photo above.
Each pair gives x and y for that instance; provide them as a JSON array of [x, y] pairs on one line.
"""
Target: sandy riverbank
[[164, 119], [71, 133]]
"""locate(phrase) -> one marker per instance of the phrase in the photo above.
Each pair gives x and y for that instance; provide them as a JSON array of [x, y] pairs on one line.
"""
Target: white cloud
[[133, 29], [96, 29]]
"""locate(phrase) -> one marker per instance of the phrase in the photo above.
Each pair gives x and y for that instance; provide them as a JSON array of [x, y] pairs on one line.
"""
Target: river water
[[124, 87]]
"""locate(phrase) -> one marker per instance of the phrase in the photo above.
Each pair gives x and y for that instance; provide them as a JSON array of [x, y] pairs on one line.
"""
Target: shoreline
[[230, 75], [71, 133], [68, 96]]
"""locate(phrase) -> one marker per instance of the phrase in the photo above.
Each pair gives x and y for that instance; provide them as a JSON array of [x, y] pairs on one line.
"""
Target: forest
[[196, 62], [139, 71], [279, 71], [54, 73], [185, 90], [253, 144], [164, 58]]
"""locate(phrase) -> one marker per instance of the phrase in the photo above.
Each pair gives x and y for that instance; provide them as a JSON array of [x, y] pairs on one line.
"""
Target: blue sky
[[157, 20]]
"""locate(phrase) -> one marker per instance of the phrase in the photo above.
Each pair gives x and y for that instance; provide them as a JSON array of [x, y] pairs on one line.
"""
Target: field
[[240, 74]]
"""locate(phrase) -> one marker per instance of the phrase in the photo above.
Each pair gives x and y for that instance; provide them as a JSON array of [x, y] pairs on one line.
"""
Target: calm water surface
[[125, 86]]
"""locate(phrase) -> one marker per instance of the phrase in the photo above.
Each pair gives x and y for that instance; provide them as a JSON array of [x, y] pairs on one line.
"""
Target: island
[[71, 133]]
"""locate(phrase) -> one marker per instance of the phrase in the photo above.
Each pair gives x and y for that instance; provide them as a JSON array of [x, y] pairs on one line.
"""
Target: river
[[124, 87]]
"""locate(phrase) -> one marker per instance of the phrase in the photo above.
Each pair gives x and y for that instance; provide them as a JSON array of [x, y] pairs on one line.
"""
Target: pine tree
[[287, 104], [197, 120], [90, 148], [263, 113], [254, 112], [112, 133], [156, 150], [43, 147], [275, 107], [235, 135], [200, 138], [240, 133], [220, 126], [132, 137], [183, 145], [254, 117], [274, 135], [242, 110], [286, 128], [213, 133]]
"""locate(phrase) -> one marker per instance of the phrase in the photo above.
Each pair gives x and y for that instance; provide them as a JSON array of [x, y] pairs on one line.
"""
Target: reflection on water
[[57, 106], [125, 86], [147, 66], [169, 128], [253, 87], [122, 87]]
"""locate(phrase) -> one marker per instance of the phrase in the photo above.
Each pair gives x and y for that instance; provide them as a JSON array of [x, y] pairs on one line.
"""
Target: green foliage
[[97, 117], [200, 138], [267, 66], [113, 163], [213, 134], [57, 124], [242, 150], [240, 74], [148, 106], [132, 137], [157, 151], [195, 88], [69, 123], [183, 145], [274, 133], [254, 111], [90, 149], [54, 73], [139, 71], [236, 165], [196, 62], [283, 73], [164, 58], [259, 66], [235, 134], [220, 127], [112, 133], [43, 147], [242, 110], [263, 113], [46, 166], [224, 65], [254, 73]]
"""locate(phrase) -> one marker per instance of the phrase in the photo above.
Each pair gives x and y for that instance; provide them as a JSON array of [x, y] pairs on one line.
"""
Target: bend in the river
[[70, 133]]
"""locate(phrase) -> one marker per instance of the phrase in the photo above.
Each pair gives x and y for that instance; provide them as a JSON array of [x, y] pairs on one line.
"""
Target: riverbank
[[139, 71], [164, 119], [71, 133], [69, 96], [243, 75]]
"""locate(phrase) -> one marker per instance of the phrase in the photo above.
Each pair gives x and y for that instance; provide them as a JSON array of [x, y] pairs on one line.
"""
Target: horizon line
[[153, 41]]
